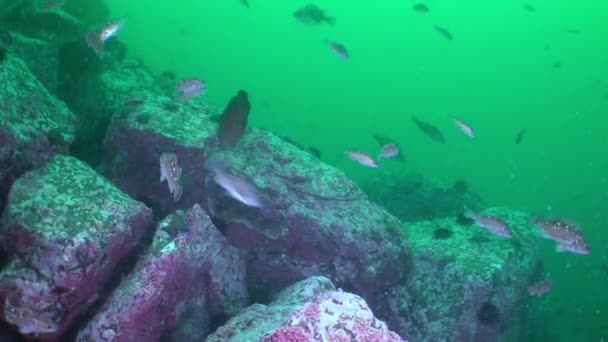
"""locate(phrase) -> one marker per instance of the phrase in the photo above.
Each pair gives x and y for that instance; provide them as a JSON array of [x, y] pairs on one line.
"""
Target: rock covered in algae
[[310, 310], [34, 125], [314, 220], [66, 229], [188, 277], [465, 283]]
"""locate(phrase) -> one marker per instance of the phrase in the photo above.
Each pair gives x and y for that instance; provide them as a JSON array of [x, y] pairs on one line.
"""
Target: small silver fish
[[96, 40], [493, 224], [389, 151], [567, 234], [362, 158], [190, 88], [466, 129], [170, 171], [540, 288], [237, 188]]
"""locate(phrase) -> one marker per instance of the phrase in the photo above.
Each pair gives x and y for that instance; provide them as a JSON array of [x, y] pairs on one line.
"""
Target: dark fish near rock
[[313, 14], [492, 224], [444, 32], [429, 130], [313, 150], [520, 136], [339, 49], [460, 186], [420, 8], [233, 121]]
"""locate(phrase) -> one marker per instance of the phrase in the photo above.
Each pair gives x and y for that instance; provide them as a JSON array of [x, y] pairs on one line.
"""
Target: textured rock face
[[189, 276], [33, 124], [466, 284], [314, 220], [66, 229], [310, 310]]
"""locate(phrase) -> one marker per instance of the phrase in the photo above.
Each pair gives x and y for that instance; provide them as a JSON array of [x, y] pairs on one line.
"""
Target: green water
[[497, 74]]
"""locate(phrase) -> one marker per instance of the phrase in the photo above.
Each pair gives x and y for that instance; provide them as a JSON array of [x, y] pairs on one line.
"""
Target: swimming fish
[[465, 128], [493, 224], [520, 136], [389, 148], [233, 121], [237, 187], [429, 130], [540, 288], [96, 40], [339, 49], [568, 235], [245, 3], [313, 14], [529, 7], [444, 32], [50, 5], [170, 171], [190, 88], [420, 8], [362, 158]]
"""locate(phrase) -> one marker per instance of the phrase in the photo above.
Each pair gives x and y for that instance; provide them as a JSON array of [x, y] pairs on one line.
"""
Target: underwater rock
[[313, 221], [466, 286], [40, 56], [310, 310], [33, 124], [67, 229], [99, 93], [188, 277], [412, 197]]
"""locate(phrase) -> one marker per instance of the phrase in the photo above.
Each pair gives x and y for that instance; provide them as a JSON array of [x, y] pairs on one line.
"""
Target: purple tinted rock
[[310, 310], [66, 229], [314, 220], [189, 276], [33, 124], [466, 284]]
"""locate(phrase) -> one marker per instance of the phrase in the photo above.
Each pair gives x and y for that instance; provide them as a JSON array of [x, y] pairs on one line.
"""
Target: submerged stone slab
[[310, 310], [34, 125], [66, 229], [188, 277], [314, 220], [466, 284]]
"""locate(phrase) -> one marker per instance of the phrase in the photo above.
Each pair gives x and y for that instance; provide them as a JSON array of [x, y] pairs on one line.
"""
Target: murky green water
[[506, 69]]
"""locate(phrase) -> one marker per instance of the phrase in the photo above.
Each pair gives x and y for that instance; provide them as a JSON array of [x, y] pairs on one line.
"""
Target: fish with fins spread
[[190, 88], [362, 158], [443, 32], [429, 130], [171, 172], [339, 49], [96, 40], [568, 235], [491, 223], [540, 288], [233, 121], [389, 148], [520, 136], [313, 14]]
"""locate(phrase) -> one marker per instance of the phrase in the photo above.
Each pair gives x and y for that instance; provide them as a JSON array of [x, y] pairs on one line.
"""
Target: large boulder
[[314, 221], [466, 284], [188, 278], [66, 229], [34, 125], [310, 310]]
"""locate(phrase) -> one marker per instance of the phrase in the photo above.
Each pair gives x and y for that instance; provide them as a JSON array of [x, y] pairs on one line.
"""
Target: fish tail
[[94, 42]]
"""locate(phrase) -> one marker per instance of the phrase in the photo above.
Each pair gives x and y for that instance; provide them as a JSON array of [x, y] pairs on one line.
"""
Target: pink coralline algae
[[310, 310]]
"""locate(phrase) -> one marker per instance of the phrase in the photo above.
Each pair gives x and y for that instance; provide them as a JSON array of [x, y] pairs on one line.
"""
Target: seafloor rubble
[[95, 247]]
